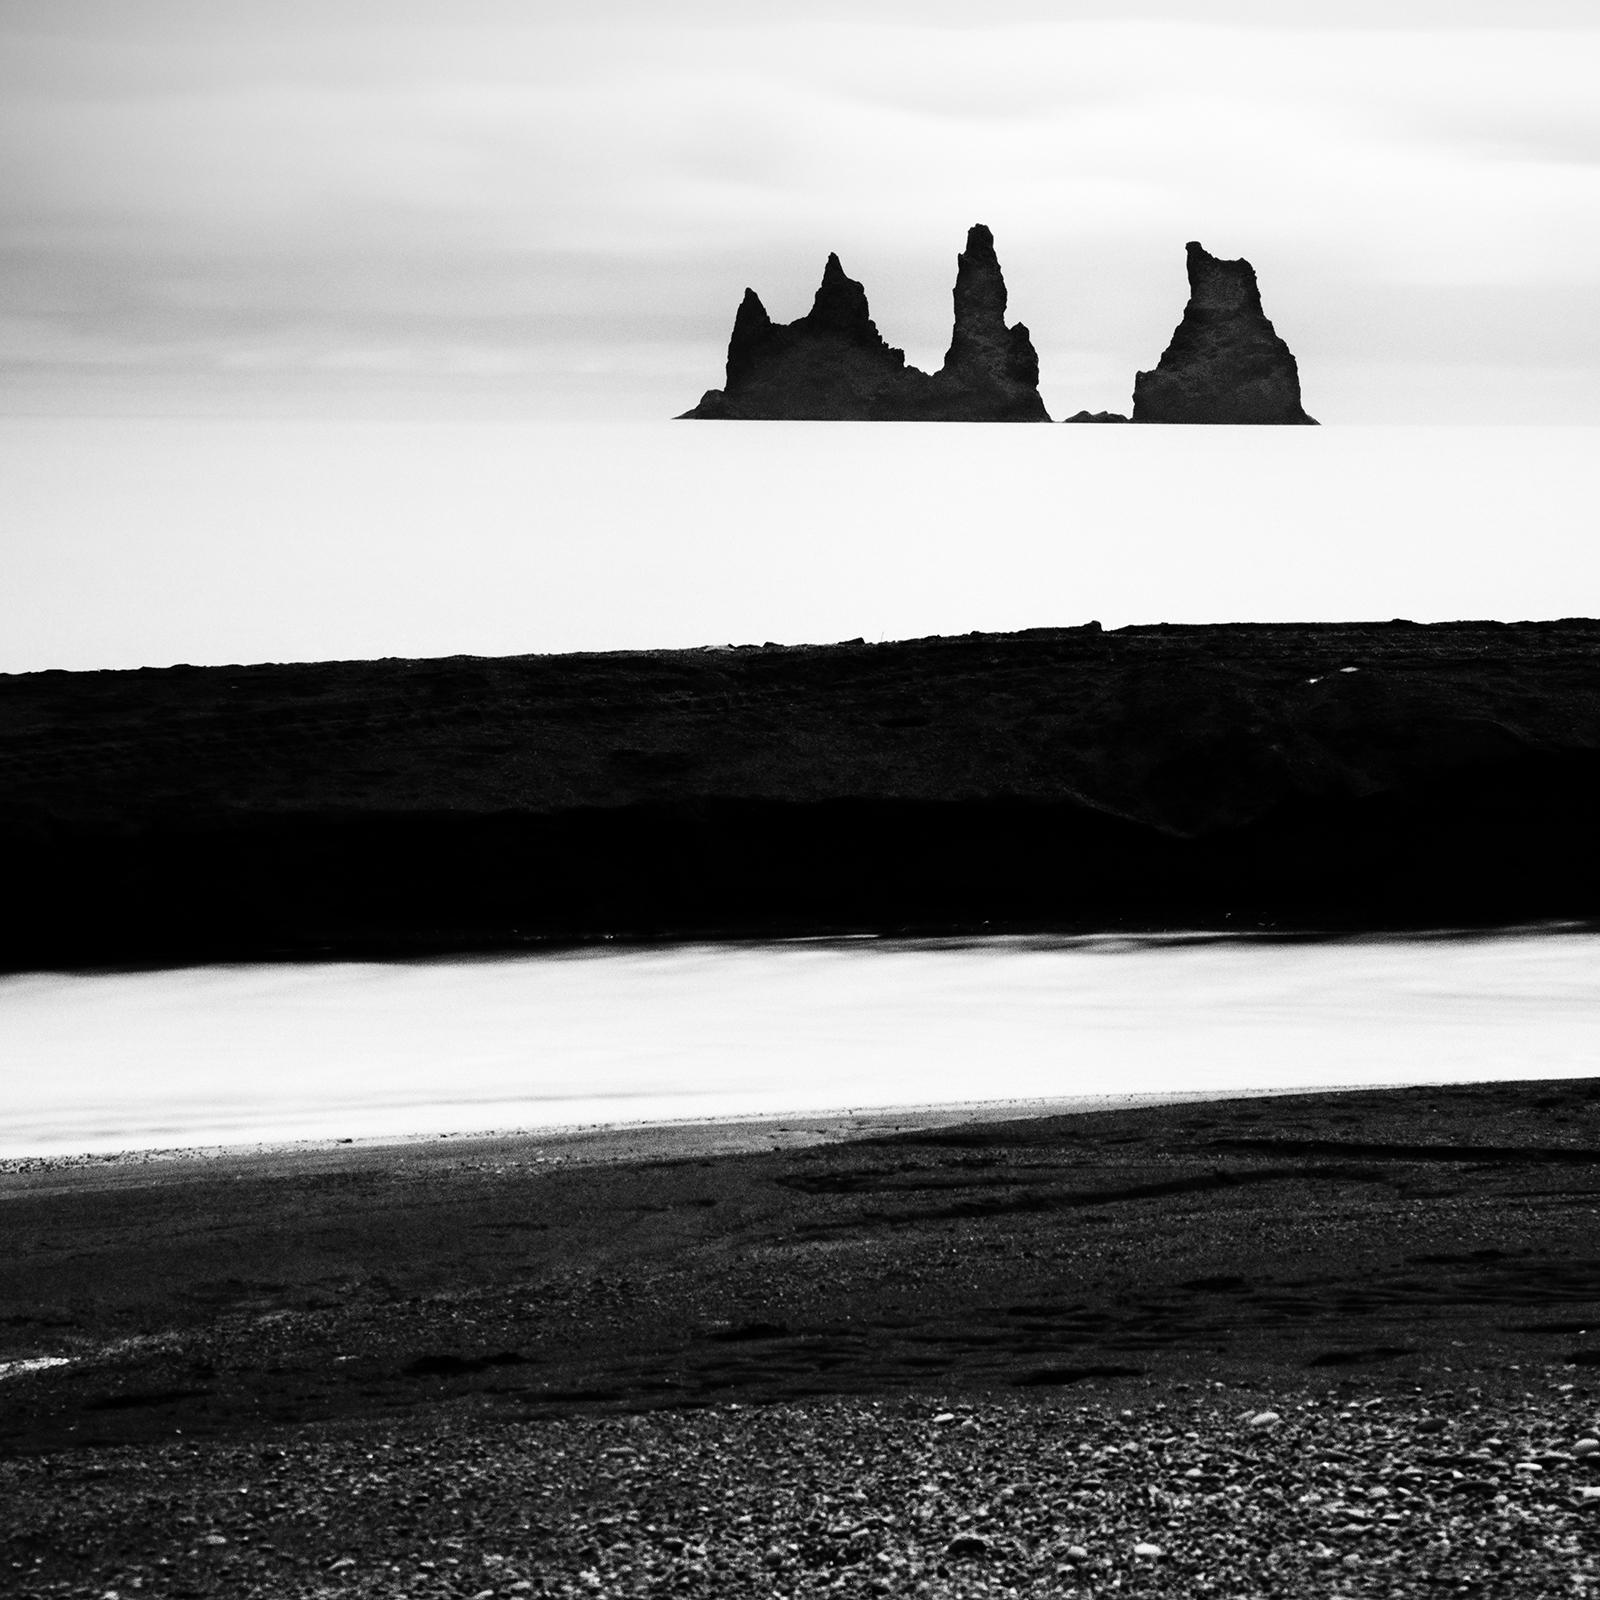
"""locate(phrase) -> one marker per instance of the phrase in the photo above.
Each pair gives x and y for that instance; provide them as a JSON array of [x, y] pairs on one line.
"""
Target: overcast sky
[[516, 208]]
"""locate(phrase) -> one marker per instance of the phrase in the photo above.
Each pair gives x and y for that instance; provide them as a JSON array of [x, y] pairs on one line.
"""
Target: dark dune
[[1340, 776]]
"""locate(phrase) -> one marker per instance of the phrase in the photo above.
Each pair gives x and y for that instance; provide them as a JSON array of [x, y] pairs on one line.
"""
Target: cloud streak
[[229, 197]]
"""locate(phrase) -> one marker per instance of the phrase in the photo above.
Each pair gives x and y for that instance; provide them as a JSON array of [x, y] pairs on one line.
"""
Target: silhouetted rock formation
[[1095, 416], [833, 365], [1226, 362]]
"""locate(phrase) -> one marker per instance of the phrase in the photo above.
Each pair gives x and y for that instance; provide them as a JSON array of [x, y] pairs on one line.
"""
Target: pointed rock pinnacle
[[1226, 362], [834, 364]]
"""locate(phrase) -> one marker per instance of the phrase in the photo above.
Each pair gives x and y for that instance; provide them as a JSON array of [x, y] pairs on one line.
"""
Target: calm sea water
[[143, 543], [240, 1054]]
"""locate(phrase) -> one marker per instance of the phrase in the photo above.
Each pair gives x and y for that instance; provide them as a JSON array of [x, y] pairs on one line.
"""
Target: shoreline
[[179, 1066], [646, 1139], [1326, 1343]]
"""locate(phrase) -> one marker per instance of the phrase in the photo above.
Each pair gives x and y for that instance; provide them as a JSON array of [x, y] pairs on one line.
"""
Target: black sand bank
[[1357, 775]]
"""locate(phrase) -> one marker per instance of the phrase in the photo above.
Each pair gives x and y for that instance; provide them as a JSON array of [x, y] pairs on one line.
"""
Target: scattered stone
[[813, 1497]]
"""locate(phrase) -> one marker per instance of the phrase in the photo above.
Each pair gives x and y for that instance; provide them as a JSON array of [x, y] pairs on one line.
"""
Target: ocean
[[244, 1054], [145, 543]]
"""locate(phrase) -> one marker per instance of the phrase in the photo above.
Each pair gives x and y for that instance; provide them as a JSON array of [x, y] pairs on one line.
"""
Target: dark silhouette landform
[[1225, 364], [1304, 776], [833, 364]]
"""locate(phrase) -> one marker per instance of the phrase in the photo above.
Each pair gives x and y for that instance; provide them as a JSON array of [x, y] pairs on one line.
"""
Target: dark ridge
[[1252, 777]]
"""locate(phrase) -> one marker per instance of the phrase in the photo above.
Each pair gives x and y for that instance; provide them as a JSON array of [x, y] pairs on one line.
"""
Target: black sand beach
[[1331, 1344], [1309, 1345]]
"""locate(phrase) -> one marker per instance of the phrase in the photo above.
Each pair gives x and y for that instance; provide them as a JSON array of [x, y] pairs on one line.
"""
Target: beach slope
[[1259, 1336]]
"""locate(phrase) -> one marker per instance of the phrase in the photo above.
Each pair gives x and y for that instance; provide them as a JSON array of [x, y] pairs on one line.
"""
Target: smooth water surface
[[239, 1054], [146, 543]]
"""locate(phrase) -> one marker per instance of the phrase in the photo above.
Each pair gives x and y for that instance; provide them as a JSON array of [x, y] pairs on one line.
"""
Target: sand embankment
[[1351, 775]]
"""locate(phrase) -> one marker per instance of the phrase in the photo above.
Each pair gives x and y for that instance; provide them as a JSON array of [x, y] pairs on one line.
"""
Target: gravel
[[1183, 1492]]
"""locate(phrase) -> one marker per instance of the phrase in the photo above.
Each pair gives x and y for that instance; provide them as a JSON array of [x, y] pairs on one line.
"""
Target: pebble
[[967, 1544], [823, 1499], [1586, 1447], [1264, 1419]]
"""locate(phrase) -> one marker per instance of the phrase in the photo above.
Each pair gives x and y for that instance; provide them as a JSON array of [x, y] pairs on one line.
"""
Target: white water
[[263, 1053]]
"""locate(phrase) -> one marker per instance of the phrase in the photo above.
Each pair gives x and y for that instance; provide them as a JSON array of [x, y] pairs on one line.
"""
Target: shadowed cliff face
[[1226, 363], [833, 365]]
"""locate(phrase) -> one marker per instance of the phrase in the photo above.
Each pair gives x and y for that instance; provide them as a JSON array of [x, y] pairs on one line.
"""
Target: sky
[[517, 209]]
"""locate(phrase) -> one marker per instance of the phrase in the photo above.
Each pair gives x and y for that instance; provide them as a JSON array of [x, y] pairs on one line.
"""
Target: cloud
[[296, 188]]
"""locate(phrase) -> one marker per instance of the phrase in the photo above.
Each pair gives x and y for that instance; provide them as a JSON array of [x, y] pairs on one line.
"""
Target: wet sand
[[1423, 1249], [710, 1262]]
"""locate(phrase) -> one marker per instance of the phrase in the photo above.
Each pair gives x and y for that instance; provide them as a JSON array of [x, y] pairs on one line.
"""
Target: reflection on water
[[213, 1055]]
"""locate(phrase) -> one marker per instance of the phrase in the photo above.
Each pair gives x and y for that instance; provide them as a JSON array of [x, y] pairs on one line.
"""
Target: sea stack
[[1226, 362], [833, 365]]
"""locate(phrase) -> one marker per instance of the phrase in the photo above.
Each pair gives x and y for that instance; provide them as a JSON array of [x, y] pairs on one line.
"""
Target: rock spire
[[833, 365], [1226, 362]]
